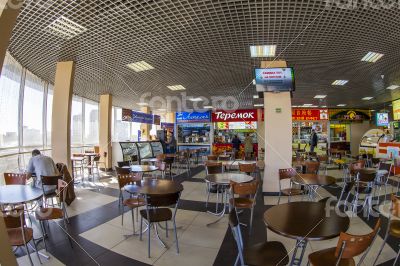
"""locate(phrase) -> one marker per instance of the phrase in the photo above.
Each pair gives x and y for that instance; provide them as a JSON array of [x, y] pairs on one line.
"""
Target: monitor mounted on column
[[274, 79]]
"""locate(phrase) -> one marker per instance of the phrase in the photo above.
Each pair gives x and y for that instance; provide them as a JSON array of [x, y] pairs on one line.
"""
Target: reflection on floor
[[100, 238]]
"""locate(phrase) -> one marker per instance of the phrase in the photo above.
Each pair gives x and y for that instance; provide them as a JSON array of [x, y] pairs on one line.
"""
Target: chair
[[132, 203], [162, 167], [212, 157], [247, 197], [78, 165], [323, 163], [382, 177], [213, 168], [183, 159], [248, 168], [288, 173], [263, 254], [125, 177], [123, 164], [393, 227], [18, 233], [312, 167], [348, 247], [363, 185], [94, 166], [47, 214], [157, 211], [15, 179], [49, 187]]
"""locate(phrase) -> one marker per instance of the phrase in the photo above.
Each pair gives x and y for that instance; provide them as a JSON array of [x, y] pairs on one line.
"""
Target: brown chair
[[125, 177], [213, 168], [312, 167], [247, 197], [288, 173], [271, 253], [363, 185], [49, 187], [132, 203], [348, 247], [323, 163], [212, 157], [94, 166], [157, 210], [15, 179], [162, 167], [123, 164], [248, 168], [393, 228], [47, 214], [354, 167], [18, 233]]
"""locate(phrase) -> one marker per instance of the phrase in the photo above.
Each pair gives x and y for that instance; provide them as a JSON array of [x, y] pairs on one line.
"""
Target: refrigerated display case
[[123, 151]]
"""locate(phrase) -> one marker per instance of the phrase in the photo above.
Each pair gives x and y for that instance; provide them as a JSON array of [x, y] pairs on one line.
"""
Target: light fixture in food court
[[197, 99], [176, 88], [208, 107], [341, 105], [393, 87], [340, 82], [140, 66], [307, 104], [323, 106], [161, 110], [319, 96], [143, 104], [258, 105], [256, 96], [65, 28], [367, 98], [371, 57], [262, 50]]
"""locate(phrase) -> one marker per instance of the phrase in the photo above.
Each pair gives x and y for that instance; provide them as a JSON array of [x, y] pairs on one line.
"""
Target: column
[[105, 129], [145, 128], [278, 133], [61, 120], [170, 117], [8, 16]]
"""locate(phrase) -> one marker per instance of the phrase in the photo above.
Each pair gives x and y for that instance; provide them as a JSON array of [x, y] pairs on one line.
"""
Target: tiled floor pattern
[[96, 227]]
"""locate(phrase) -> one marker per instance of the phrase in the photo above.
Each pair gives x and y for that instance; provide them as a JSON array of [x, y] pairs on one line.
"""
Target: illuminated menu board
[[396, 110]]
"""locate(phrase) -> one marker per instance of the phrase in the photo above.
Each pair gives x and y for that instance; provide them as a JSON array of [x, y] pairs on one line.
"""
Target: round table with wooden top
[[154, 187], [150, 160], [313, 182], [17, 194], [367, 170], [305, 221], [142, 168]]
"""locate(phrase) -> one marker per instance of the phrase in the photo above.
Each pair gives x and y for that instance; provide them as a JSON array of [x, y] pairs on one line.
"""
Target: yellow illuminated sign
[[396, 110]]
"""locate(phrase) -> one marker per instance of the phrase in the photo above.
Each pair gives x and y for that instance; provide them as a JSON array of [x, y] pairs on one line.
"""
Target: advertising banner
[[235, 116], [382, 119], [396, 109], [167, 125], [349, 115], [309, 114], [156, 119], [194, 117]]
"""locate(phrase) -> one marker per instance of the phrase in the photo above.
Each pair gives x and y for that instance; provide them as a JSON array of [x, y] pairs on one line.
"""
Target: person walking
[[313, 141], [236, 145]]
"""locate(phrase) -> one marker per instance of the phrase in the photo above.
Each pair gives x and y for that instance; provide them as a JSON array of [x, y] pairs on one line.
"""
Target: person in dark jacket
[[236, 145], [314, 140]]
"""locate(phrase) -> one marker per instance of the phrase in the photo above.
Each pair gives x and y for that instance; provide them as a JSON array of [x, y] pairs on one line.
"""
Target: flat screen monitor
[[274, 79], [382, 119]]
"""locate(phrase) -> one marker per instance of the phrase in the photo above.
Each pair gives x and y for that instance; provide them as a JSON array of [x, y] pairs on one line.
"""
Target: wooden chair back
[[242, 189], [212, 157], [287, 173], [62, 187], [395, 208], [51, 180], [160, 157], [312, 167], [366, 177], [15, 179], [163, 200], [247, 167], [350, 246], [214, 168], [123, 163], [162, 166], [323, 158], [122, 171], [14, 218], [353, 167], [96, 158]]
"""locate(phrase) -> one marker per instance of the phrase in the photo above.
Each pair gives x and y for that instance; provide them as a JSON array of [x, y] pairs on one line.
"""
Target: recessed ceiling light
[[367, 98], [143, 104], [307, 104], [208, 107], [198, 99], [341, 105], [372, 110], [294, 106], [161, 110], [262, 50], [393, 87], [65, 28], [258, 105], [323, 106], [176, 88], [255, 97], [339, 82], [319, 96], [372, 57], [140, 66]]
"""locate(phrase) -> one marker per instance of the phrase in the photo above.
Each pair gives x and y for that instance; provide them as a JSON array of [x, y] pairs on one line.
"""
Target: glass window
[[76, 121], [9, 98], [91, 122], [121, 128], [49, 114], [135, 131], [33, 111]]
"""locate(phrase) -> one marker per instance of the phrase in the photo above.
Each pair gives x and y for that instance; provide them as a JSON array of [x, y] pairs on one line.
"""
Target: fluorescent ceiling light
[[143, 104], [323, 106], [161, 110], [372, 110], [341, 105], [339, 82], [254, 82], [367, 98], [65, 28], [307, 104], [176, 88], [208, 107], [140, 66], [294, 106], [262, 50], [198, 99], [259, 105], [255, 97], [393, 87], [372, 57], [319, 96]]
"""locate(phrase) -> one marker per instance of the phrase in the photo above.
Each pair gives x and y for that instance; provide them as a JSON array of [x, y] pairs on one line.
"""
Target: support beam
[[170, 117], [278, 133], [105, 129], [61, 118], [145, 128]]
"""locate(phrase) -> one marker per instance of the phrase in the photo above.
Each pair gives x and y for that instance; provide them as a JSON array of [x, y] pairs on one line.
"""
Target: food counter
[[123, 151]]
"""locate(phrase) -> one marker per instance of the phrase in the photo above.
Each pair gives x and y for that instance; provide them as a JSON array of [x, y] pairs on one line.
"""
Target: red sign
[[310, 114], [234, 116]]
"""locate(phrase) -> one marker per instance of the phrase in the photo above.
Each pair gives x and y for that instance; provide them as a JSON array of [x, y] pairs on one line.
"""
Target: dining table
[[305, 221], [312, 182], [223, 181]]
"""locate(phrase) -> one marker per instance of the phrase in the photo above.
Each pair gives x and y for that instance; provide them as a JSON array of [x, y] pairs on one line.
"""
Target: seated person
[[41, 165]]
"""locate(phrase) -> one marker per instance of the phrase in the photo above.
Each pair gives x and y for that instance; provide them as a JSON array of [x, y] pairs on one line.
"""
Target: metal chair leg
[[397, 257], [176, 237], [44, 240], [251, 219], [383, 244], [166, 229], [133, 221], [148, 240], [141, 228], [29, 254], [36, 249]]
